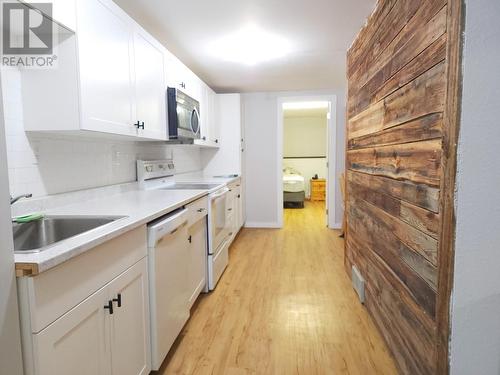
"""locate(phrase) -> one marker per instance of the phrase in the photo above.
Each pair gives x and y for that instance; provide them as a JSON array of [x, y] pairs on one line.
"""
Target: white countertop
[[139, 207]]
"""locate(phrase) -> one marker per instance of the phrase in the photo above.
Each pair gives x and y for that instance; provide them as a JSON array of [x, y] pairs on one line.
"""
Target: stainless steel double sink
[[37, 235]]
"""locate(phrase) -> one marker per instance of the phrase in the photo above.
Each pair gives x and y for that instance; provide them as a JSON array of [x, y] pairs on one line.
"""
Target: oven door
[[219, 218]]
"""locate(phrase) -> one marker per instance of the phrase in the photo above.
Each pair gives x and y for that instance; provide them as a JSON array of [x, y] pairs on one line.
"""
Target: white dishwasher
[[168, 248]]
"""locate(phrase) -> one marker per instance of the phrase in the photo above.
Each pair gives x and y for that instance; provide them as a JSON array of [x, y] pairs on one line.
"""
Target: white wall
[[260, 121], [475, 338], [304, 136], [10, 341], [51, 164], [226, 159]]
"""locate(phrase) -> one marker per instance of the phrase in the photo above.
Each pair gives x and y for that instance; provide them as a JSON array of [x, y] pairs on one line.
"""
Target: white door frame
[[331, 150]]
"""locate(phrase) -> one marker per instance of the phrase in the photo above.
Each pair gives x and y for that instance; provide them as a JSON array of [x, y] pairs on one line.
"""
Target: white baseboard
[[336, 226], [256, 224]]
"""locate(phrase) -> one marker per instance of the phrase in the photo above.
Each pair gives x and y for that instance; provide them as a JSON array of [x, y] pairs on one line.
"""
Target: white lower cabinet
[[198, 259], [108, 333], [90, 314], [129, 322], [236, 207], [76, 343], [197, 231]]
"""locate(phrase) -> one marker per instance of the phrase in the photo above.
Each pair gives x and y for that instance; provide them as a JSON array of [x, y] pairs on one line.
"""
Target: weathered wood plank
[[414, 239], [417, 194], [398, 16], [409, 332], [421, 219], [428, 24], [414, 272], [417, 162], [402, 69], [455, 28], [366, 34], [423, 96], [421, 129]]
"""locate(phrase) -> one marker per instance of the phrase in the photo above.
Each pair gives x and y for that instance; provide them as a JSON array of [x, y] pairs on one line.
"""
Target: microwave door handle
[[194, 113]]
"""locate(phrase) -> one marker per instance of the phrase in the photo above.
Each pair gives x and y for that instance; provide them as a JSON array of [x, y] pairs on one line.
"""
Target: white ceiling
[[320, 31]]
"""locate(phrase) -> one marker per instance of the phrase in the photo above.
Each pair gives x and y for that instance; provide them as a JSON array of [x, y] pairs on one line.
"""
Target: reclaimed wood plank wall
[[403, 73]]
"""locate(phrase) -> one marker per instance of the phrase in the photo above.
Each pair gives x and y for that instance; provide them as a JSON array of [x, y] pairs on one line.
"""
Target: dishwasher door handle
[[166, 227]]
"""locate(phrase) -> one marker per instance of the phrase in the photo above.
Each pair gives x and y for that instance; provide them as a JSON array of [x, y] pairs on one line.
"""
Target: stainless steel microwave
[[183, 116]]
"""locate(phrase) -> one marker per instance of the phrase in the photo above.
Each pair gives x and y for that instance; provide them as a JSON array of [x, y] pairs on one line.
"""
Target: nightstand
[[318, 189]]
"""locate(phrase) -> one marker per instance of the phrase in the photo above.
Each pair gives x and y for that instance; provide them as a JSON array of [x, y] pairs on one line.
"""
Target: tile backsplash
[[51, 164]]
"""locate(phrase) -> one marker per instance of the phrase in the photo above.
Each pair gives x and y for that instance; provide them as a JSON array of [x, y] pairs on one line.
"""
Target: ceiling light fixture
[[305, 105], [250, 46]]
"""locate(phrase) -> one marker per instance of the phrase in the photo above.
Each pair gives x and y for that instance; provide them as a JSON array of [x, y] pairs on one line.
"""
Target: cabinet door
[[241, 217], [198, 259], [205, 116], [105, 54], [63, 11], [130, 343], [77, 342], [150, 87], [214, 118]]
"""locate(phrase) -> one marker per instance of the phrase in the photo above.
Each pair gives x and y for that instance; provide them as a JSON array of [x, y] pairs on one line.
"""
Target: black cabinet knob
[[190, 239], [118, 300], [109, 307]]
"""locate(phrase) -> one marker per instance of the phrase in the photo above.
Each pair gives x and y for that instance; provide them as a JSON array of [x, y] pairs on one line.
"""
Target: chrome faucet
[[14, 200]]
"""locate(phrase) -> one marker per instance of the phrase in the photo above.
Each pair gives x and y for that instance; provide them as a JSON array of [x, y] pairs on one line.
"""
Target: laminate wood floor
[[284, 306]]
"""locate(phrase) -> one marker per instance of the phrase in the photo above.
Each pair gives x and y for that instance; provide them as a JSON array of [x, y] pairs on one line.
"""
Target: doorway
[[306, 157]]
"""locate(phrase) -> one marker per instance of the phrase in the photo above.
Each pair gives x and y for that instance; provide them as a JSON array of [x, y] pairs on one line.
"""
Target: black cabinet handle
[[109, 307], [139, 125], [229, 209], [204, 138], [142, 125], [216, 141], [190, 239], [201, 209], [239, 196], [118, 300], [183, 85]]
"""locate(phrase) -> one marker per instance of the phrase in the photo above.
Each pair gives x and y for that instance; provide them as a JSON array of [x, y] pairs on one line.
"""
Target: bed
[[293, 188]]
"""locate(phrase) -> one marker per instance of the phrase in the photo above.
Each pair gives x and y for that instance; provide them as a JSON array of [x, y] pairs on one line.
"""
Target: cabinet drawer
[[197, 210], [51, 294], [234, 185]]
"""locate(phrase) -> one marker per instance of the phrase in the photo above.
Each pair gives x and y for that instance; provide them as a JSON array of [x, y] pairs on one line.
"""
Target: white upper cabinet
[[180, 77], [63, 11], [210, 131], [111, 79], [105, 41], [150, 86]]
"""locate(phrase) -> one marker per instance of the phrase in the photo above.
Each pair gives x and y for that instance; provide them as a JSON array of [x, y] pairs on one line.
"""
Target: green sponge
[[28, 218]]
